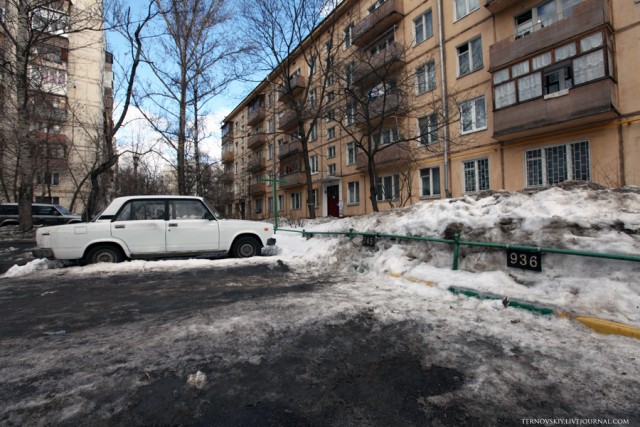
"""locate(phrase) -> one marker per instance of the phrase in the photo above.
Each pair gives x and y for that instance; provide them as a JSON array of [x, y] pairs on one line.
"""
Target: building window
[[313, 133], [470, 56], [386, 136], [553, 165], [555, 80], [313, 98], [312, 65], [430, 182], [473, 116], [348, 74], [428, 129], [426, 77], [313, 164], [296, 203], [388, 187], [270, 204], [258, 206], [351, 153], [351, 113], [331, 170], [314, 197], [543, 15], [348, 37], [329, 79], [476, 175], [353, 193], [331, 133], [270, 151], [423, 27], [331, 116], [270, 126], [331, 151], [589, 67], [529, 87], [465, 7], [280, 203], [48, 178], [505, 95]]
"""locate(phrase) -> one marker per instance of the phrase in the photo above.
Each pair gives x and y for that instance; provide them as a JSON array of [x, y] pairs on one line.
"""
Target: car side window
[[139, 210], [187, 209]]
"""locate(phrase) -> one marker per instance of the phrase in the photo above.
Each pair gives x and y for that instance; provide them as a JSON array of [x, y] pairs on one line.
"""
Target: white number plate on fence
[[526, 260]]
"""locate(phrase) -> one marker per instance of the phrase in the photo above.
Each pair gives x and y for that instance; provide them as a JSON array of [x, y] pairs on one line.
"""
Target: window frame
[[473, 67], [353, 193], [432, 171], [474, 128], [468, 10], [425, 25], [476, 177]]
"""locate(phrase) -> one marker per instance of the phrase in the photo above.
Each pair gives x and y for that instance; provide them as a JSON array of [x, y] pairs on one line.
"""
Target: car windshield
[[216, 214], [63, 210]]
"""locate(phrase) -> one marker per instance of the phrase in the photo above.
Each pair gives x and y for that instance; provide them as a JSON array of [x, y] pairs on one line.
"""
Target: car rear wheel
[[245, 247], [104, 253]]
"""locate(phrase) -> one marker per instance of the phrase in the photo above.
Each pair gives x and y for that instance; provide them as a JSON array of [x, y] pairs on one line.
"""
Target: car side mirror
[[209, 216]]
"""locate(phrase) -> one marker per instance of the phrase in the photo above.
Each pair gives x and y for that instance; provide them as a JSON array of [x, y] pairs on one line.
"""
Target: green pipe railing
[[456, 242]]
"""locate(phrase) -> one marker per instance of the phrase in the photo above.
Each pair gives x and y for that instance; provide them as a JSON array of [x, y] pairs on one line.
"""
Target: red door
[[332, 201]]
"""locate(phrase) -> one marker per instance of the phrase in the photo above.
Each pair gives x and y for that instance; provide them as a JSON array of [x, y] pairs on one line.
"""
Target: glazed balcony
[[296, 85], [257, 164], [578, 106], [290, 149], [382, 64], [295, 179], [398, 152], [588, 15], [228, 153], [258, 188], [389, 13], [256, 141], [227, 135], [256, 115], [288, 121]]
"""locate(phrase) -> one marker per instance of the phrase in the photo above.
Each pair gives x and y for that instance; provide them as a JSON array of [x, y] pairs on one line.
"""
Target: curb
[[601, 326]]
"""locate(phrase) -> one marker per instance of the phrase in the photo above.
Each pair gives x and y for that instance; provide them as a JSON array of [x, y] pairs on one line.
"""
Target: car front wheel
[[104, 253], [245, 247]]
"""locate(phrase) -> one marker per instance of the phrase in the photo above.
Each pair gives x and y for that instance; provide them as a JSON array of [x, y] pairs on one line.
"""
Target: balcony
[[228, 153], [258, 188], [296, 84], [587, 16], [495, 6], [381, 64], [256, 141], [581, 105], [398, 152], [256, 115], [256, 164], [389, 13], [288, 121], [226, 177], [290, 149], [227, 135], [381, 108], [294, 179]]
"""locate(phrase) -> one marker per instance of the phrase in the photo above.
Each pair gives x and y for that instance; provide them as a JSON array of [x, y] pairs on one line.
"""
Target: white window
[[423, 27], [388, 187], [313, 98], [331, 151], [553, 165], [476, 175], [351, 113], [589, 67], [351, 153], [430, 182], [386, 136], [331, 133], [473, 115], [426, 77], [331, 171], [348, 37], [505, 95], [296, 203], [465, 7], [313, 133], [529, 87], [314, 197], [428, 129], [353, 193], [313, 164], [270, 152], [280, 203], [470, 56]]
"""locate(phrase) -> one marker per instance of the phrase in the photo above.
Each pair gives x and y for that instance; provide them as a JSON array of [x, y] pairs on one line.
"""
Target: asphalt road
[[261, 344]]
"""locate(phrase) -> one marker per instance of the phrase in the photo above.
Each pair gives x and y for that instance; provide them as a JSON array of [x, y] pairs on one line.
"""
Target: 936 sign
[[525, 260]]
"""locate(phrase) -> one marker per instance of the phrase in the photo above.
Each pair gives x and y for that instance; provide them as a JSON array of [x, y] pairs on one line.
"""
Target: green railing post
[[456, 250], [275, 199]]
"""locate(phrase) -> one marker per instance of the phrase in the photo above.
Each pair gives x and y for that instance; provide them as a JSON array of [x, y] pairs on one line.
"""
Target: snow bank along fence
[[519, 256]]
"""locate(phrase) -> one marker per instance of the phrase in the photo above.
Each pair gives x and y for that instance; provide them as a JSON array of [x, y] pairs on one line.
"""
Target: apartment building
[[502, 94], [70, 85]]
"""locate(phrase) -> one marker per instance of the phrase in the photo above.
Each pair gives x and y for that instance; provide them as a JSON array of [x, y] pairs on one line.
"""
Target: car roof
[[118, 202]]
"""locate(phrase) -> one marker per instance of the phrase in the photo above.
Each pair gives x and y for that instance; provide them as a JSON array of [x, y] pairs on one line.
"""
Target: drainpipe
[[445, 100]]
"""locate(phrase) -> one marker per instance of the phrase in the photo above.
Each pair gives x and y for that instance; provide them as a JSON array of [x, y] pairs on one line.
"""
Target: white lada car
[[151, 227]]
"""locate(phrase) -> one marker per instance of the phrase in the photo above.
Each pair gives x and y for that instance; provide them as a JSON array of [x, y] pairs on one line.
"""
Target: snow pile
[[577, 218]]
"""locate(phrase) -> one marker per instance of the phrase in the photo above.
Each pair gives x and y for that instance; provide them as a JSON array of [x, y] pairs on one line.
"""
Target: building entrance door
[[332, 200]]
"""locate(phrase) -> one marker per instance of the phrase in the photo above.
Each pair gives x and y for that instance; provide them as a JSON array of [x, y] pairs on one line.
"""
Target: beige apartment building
[[71, 88], [504, 94]]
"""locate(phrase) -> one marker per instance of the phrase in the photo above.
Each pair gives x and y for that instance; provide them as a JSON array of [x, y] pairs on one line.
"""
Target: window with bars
[[553, 165], [476, 175]]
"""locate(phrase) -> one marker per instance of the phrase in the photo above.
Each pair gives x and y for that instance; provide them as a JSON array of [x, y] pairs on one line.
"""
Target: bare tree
[[290, 37]]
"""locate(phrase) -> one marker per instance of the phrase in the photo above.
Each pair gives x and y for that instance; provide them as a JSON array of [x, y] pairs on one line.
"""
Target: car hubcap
[[106, 257], [247, 250]]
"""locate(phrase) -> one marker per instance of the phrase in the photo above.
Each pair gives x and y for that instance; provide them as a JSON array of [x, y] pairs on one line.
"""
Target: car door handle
[[173, 224], [119, 226]]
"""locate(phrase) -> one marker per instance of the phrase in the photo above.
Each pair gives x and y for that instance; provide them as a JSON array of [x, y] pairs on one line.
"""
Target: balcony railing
[[226, 177], [256, 116], [386, 61], [228, 153], [256, 164], [389, 13], [587, 16], [381, 108], [296, 84], [290, 149], [396, 152], [258, 188], [294, 179], [288, 120], [256, 141]]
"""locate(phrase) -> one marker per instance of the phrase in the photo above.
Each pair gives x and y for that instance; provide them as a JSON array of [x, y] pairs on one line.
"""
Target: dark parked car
[[42, 214]]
